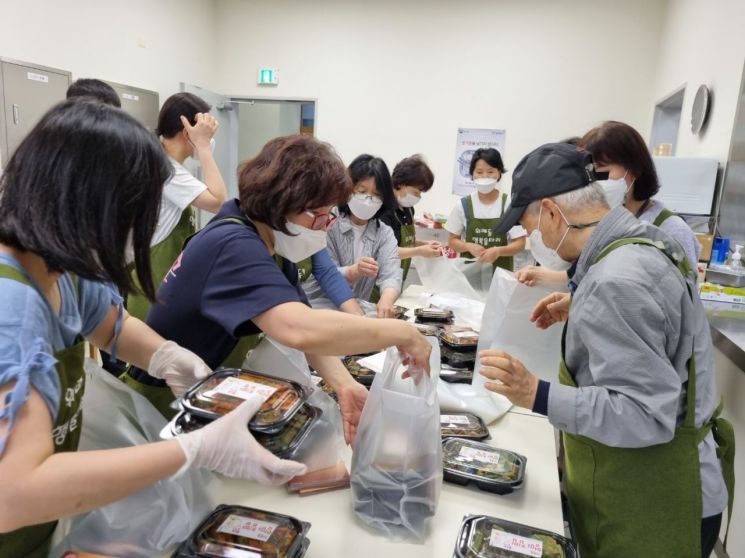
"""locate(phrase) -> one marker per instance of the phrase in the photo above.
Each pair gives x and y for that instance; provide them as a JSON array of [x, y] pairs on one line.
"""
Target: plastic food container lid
[[486, 465], [463, 425], [287, 441], [459, 338], [240, 532], [434, 314], [459, 358], [428, 329], [224, 390], [363, 375], [482, 536]]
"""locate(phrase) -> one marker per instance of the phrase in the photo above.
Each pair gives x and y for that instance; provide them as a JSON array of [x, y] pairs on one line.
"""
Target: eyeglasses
[[323, 221]]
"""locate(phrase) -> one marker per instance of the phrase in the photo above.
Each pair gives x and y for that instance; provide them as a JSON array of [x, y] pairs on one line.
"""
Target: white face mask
[[409, 200], [615, 190], [544, 255], [297, 248], [364, 207], [485, 185]]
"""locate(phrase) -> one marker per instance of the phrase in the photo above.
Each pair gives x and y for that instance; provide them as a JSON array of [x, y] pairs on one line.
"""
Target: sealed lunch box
[[224, 390], [433, 315], [283, 443], [463, 425], [453, 375], [431, 330], [363, 375], [459, 358], [482, 536], [459, 338], [492, 469], [240, 532]]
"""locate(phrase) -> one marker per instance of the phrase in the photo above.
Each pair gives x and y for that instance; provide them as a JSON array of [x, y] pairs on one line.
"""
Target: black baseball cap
[[550, 170]]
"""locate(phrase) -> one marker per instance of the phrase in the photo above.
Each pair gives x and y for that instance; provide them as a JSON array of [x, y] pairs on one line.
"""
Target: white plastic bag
[[445, 275], [397, 462], [152, 519], [506, 327], [322, 446]]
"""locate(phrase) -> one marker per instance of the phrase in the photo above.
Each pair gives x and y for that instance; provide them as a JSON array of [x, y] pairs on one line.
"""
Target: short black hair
[[95, 88], [366, 166], [176, 106], [413, 171], [491, 156], [617, 143], [84, 183]]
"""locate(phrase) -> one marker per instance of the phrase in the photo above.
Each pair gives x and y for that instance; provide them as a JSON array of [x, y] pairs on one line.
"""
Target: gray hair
[[589, 197]]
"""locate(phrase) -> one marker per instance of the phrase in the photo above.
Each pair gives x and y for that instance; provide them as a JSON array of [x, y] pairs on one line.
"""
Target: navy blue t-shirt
[[222, 280]]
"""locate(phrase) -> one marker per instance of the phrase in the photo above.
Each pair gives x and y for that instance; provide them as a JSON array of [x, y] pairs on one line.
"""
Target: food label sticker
[[464, 334], [248, 528], [243, 389], [454, 419], [516, 543], [480, 455]]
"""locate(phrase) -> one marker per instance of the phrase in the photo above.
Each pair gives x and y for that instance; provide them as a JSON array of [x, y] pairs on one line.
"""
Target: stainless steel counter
[[728, 329]]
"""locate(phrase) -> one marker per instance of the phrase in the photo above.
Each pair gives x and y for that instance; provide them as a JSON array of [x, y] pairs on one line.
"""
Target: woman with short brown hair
[[237, 277]]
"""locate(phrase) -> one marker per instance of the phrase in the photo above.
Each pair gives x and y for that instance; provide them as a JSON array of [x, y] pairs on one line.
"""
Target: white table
[[335, 531]]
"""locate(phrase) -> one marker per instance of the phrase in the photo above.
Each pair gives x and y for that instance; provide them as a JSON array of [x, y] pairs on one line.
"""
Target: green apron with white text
[[159, 394], [162, 256], [304, 269], [642, 502], [481, 231], [35, 541]]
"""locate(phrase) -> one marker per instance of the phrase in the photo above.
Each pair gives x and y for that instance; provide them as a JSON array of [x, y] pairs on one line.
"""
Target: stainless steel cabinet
[[27, 91]]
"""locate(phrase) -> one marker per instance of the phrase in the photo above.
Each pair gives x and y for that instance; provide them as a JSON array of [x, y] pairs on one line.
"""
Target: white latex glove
[[226, 446], [179, 367]]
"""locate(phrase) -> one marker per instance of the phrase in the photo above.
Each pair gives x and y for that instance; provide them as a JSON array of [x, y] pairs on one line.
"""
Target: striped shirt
[[378, 242]]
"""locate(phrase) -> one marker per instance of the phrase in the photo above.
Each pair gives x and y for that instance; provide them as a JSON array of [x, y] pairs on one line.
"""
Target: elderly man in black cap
[[636, 395]]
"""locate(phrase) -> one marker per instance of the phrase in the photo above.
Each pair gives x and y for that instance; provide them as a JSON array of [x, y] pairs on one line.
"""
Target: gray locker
[[140, 103], [27, 91]]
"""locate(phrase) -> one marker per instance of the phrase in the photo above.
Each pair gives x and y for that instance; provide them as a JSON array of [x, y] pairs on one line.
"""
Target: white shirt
[[178, 194], [456, 223]]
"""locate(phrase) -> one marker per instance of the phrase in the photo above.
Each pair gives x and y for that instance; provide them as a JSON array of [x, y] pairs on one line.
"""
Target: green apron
[[664, 215], [629, 502], [35, 541], [408, 240], [162, 256], [481, 231], [158, 393], [304, 269]]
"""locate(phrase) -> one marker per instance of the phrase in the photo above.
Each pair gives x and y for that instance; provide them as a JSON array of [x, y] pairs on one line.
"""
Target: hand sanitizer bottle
[[735, 262]]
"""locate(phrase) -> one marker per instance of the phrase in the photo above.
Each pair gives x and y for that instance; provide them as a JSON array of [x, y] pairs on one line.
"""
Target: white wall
[[395, 78], [152, 44], [703, 43]]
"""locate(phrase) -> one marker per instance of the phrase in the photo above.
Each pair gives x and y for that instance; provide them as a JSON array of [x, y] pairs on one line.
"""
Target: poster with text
[[468, 141]]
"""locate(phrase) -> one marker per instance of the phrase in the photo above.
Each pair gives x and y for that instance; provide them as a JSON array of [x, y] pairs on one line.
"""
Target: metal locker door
[[27, 92], [143, 104]]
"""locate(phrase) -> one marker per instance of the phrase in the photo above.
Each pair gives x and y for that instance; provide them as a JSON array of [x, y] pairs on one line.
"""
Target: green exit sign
[[267, 76]]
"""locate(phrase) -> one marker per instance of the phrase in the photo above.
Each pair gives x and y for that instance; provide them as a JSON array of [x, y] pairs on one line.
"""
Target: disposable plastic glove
[[226, 446], [179, 367]]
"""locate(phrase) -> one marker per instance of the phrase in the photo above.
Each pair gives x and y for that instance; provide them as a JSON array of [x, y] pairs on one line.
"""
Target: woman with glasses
[[238, 276], [364, 248]]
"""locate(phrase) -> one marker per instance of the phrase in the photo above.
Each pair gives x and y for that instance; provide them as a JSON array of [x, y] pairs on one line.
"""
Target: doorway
[[246, 124]]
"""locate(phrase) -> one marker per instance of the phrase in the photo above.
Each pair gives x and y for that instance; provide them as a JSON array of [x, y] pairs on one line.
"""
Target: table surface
[[335, 530]]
